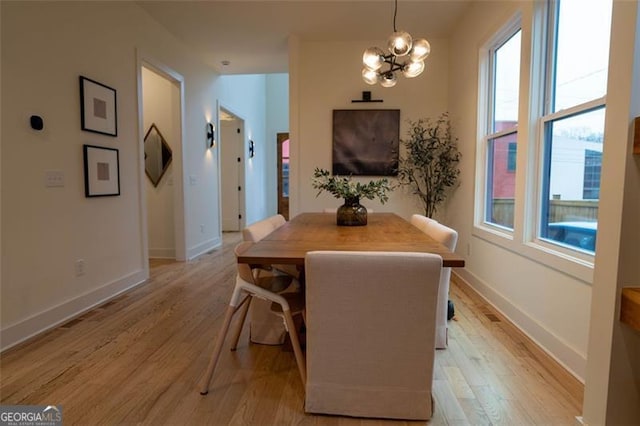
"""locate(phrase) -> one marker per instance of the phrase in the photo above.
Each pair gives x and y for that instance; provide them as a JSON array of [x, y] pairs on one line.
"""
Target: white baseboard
[[580, 421], [162, 253], [52, 317], [211, 244], [572, 360], [166, 253]]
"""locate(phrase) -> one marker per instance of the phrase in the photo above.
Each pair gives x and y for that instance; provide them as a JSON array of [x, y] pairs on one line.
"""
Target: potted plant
[[351, 213], [429, 164]]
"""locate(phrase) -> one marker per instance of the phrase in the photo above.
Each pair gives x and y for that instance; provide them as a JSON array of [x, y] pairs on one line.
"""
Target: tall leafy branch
[[429, 164]]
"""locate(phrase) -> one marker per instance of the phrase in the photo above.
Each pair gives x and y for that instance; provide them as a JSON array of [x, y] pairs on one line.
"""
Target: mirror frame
[[166, 148]]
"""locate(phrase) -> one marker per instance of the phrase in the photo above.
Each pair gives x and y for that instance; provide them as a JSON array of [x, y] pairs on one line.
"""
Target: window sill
[[544, 254]]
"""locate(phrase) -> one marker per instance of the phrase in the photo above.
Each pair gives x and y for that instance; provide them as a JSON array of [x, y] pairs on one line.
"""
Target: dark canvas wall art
[[365, 142]]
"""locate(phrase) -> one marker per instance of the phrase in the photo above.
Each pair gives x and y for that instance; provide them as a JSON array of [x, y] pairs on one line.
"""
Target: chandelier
[[406, 55]]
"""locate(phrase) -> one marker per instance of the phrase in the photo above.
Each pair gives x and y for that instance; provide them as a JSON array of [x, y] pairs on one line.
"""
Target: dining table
[[306, 232]]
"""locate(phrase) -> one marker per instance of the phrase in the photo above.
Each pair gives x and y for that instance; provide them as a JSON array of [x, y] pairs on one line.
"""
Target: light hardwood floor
[[138, 358]]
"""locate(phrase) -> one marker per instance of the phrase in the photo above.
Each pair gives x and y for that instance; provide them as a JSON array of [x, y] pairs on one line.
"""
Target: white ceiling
[[253, 35]]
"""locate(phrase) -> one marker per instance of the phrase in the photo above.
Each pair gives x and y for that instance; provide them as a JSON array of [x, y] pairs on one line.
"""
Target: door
[[232, 170], [283, 174]]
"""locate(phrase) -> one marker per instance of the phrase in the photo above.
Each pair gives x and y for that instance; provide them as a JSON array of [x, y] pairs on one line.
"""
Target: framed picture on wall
[[366, 142], [101, 171], [98, 112]]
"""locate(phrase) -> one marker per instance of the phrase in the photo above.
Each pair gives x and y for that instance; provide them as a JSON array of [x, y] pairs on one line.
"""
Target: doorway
[[161, 122], [232, 170], [283, 174]]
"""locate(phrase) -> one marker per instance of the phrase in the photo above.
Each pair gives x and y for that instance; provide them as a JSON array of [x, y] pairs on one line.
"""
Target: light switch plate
[[53, 178]]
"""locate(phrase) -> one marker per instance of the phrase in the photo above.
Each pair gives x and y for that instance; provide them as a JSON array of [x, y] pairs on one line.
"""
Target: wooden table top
[[318, 231]]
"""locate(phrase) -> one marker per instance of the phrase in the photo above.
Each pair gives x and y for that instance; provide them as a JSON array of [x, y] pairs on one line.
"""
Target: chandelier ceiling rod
[[400, 44], [395, 12]]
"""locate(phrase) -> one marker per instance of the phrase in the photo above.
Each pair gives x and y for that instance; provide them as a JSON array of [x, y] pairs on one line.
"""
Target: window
[[511, 157], [285, 169], [501, 129], [573, 121], [592, 167]]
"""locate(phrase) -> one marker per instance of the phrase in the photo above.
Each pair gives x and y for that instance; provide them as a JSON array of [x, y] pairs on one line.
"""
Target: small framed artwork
[[101, 171], [98, 112]]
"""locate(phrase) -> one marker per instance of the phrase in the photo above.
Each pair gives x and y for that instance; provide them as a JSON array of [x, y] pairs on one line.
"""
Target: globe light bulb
[[399, 43], [420, 51], [413, 69], [369, 76], [373, 58], [388, 80]]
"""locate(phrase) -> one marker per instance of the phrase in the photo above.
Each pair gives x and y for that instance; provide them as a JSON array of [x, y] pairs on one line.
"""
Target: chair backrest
[[244, 270], [258, 230], [421, 222], [449, 238], [277, 221], [443, 234], [370, 319]]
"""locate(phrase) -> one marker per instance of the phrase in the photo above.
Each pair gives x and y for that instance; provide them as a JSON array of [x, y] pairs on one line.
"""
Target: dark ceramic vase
[[351, 213]]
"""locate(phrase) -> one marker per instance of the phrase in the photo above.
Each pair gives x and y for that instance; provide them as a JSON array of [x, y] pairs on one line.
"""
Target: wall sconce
[[252, 149], [211, 135]]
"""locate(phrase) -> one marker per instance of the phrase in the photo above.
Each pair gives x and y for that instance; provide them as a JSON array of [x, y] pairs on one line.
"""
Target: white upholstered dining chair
[[449, 238], [370, 319], [421, 222], [258, 230], [247, 288], [277, 221]]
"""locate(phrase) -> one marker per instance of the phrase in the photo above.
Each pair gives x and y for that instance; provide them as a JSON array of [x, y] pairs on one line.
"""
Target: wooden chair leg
[[204, 385], [295, 343], [243, 316]]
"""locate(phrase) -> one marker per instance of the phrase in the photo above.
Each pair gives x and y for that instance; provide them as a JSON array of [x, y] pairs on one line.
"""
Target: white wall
[[45, 47], [317, 89], [552, 307], [47, 229], [245, 96], [1, 171], [277, 122], [161, 106]]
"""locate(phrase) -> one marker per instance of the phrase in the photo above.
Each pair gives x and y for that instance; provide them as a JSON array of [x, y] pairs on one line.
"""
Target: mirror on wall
[[157, 154]]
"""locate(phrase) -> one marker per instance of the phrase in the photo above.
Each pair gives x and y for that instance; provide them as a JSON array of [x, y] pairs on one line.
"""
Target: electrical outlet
[[202, 229], [81, 267], [468, 249]]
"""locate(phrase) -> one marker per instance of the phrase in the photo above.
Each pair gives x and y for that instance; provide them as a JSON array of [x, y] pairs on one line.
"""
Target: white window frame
[[522, 241], [547, 115], [486, 110], [582, 257]]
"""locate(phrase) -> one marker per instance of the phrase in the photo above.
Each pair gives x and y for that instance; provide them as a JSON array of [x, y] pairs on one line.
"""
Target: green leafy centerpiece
[[351, 213]]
